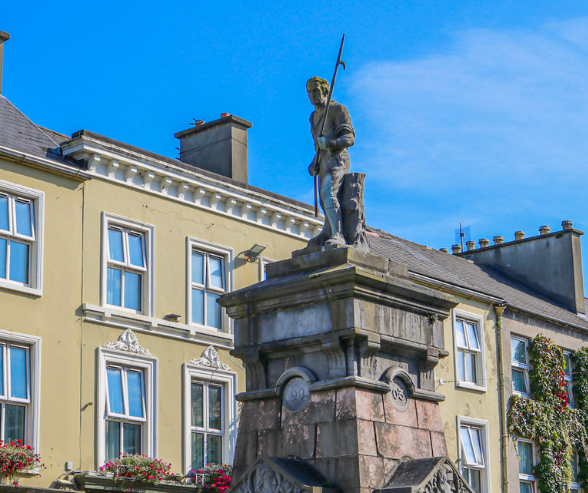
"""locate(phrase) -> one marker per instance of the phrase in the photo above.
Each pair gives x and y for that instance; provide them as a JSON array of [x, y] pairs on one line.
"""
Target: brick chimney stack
[[3, 37]]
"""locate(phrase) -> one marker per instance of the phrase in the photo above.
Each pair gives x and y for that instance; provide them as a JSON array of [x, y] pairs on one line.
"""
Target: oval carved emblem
[[296, 394], [399, 394]]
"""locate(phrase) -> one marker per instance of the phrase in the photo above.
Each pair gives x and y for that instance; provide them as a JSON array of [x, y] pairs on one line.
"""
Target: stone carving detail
[[210, 359], [399, 394], [430, 475], [128, 342], [296, 394], [264, 479]]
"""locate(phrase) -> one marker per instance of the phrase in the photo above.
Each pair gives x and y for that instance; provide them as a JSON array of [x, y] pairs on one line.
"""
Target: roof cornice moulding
[[157, 177]]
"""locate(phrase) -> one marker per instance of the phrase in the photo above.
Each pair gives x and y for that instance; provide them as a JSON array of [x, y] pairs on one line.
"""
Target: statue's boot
[[334, 217]]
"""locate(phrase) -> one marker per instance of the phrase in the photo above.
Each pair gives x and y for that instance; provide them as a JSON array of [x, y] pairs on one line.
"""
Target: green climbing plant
[[547, 419]]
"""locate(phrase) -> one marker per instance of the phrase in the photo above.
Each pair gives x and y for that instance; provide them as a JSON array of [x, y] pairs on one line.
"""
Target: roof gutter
[[44, 164], [443, 286]]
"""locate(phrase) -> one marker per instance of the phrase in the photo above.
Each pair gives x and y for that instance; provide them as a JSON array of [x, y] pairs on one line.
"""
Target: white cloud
[[505, 112]]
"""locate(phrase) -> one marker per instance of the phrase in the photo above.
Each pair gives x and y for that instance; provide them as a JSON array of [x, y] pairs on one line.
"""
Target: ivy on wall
[[547, 419]]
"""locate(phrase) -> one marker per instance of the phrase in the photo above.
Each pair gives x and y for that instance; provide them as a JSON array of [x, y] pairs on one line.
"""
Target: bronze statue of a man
[[331, 160]]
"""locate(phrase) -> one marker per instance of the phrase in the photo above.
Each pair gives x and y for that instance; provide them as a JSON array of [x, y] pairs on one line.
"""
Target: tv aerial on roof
[[463, 234]]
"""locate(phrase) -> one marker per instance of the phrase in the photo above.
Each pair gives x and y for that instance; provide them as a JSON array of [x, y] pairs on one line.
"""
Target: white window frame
[[37, 199], [483, 425], [228, 380], [573, 485], [570, 381], [526, 368], [148, 365], [33, 402], [148, 272], [529, 478], [480, 384], [200, 246], [263, 262]]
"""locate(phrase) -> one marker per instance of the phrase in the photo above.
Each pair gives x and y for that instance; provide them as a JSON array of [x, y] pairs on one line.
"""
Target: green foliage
[[580, 364], [547, 419]]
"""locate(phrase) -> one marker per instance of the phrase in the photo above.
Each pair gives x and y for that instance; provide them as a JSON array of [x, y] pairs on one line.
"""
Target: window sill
[[471, 386], [130, 320], [11, 286], [521, 394]]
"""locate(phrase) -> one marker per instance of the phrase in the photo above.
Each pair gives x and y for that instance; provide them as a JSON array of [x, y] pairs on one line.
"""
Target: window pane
[[467, 446], [133, 290], [135, 388], [24, 225], [18, 373], [197, 405], [136, 250], [568, 364], [198, 306], [115, 245], [14, 417], [112, 439], [131, 438], [470, 367], [526, 487], [113, 292], [477, 443], [460, 365], [115, 393], [197, 268], [519, 382], [214, 449], [525, 457], [461, 340], [19, 262], [197, 450], [570, 394], [214, 408], [216, 272], [473, 336], [574, 466], [1, 370], [4, 224], [213, 309], [518, 351], [476, 480], [3, 248]]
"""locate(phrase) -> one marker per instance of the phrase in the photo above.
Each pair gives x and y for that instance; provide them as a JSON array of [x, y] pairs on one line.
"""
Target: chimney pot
[[224, 115], [456, 249], [498, 240], [444, 250], [544, 230], [484, 242], [519, 235], [470, 245], [567, 224]]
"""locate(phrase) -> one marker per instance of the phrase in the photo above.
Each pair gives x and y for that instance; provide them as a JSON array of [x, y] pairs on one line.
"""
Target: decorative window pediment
[[209, 359], [129, 343]]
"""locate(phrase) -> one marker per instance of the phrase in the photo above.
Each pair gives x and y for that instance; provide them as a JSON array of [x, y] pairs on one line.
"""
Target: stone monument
[[339, 348]]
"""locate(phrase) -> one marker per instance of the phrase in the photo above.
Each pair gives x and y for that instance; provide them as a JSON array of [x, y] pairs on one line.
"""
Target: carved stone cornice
[[129, 343]]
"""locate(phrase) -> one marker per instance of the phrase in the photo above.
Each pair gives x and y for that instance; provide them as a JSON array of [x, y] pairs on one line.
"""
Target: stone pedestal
[[339, 349]]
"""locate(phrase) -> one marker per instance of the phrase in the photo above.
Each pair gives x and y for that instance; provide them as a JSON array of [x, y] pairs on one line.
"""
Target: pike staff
[[339, 62]]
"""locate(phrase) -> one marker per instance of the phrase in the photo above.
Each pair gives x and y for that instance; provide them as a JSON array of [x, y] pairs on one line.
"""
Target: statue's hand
[[313, 169], [322, 143]]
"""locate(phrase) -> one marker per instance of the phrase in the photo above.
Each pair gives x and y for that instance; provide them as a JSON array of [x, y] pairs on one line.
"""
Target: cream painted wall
[[472, 403]]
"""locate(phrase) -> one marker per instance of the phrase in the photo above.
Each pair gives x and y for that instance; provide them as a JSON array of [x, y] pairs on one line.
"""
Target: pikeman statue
[[331, 161]]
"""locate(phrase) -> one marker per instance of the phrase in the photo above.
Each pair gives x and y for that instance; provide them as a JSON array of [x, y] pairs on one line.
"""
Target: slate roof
[[19, 133], [464, 273]]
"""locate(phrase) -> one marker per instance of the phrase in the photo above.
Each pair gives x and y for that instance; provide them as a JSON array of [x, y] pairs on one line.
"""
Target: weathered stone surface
[[343, 470], [366, 438], [406, 418], [260, 414], [320, 409], [297, 441], [371, 471], [359, 403], [247, 445], [395, 442], [439, 444], [429, 415], [336, 439]]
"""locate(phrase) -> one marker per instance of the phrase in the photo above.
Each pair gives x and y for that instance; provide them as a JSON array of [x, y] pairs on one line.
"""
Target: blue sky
[[472, 112]]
